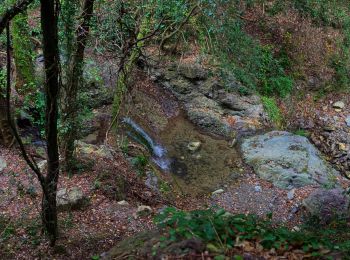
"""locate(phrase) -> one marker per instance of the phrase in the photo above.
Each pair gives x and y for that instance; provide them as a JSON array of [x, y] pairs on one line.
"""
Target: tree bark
[[6, 136], [71, 106], [51, 57], [12, 12]]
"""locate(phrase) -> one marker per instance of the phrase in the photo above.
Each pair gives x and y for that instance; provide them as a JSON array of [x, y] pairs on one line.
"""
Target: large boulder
[[3, 164], [327, 205], [287, 160], [70, 199]]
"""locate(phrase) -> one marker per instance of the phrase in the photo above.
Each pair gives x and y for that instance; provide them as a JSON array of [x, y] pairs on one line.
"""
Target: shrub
[[272, 111], [222, 231], [253, 64]]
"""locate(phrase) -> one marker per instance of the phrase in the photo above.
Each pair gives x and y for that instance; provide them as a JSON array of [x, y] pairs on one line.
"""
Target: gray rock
[[339, 105], [194, 146], [327, 205], [86, 151], [290, 194], [287, 160], [209, 121], [123, 203], [3, 164], [152, 181], [143, 210], [258, 188], [219, 191], [192, 72], [347, 121], [70, 199], [180, 86]]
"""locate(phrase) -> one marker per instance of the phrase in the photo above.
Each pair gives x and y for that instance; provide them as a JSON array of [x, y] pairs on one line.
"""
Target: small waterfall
[[158, 151]]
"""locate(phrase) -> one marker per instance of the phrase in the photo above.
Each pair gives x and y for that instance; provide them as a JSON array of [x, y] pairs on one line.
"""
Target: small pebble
[[258, 188], [290, 194], [217, 192]]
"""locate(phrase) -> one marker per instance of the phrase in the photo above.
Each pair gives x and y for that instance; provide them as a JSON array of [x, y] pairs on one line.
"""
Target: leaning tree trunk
[[51, 56]]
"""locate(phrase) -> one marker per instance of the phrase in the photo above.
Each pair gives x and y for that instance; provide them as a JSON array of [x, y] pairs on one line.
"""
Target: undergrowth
[[272, 111], [222, 231]]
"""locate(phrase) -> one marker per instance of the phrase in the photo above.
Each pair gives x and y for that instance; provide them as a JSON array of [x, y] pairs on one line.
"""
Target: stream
[[199, 163]]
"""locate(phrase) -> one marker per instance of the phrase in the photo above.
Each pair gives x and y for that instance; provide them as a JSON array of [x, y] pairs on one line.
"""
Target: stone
[[290, 194], [3, 164], [86, 151], [194, 146], [219, 191], [192, 71], [123, 203], [347, 121], [329, 128], [327, 205], [143, 210], [258, 188], [296, 229], [339, 105], [70, 199], [42, 165], [287, 160], [180, 86], [342, 147], [152, 181]]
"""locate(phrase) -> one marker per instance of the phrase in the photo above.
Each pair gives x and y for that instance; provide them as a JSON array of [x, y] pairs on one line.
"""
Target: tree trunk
[[51, 57], [127, 65], [6, 137], [71, 106]]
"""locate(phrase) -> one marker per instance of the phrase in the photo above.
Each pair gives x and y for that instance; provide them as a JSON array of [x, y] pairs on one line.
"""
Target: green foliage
[[140, 162], [272, 110], [302, 132], [34, 103], [253, 64], [23, 53], [7, 229], [221, 230]]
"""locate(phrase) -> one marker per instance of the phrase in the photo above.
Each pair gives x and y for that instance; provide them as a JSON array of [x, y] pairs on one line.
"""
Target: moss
[[23, 54]]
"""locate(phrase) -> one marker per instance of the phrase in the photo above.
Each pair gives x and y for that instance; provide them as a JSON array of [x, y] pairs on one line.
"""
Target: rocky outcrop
[[216, 107], [287, 160], [327, 205]]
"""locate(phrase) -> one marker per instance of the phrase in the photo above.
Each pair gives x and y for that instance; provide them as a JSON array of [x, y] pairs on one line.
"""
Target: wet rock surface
[[287, 160], [209, 103]]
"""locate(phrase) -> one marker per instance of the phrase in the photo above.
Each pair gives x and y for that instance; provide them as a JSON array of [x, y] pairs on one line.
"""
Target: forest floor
[[103, 222]]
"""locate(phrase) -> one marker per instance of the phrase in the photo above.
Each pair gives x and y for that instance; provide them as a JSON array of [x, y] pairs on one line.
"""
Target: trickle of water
[[159, 152]]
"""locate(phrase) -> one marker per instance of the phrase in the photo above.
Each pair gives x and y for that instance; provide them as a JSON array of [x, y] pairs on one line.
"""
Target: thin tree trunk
[[51, 56], [71, 109], [6, 135]]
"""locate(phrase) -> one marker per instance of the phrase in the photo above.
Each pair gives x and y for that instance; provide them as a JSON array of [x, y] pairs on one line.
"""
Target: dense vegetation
[[52, 55]]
